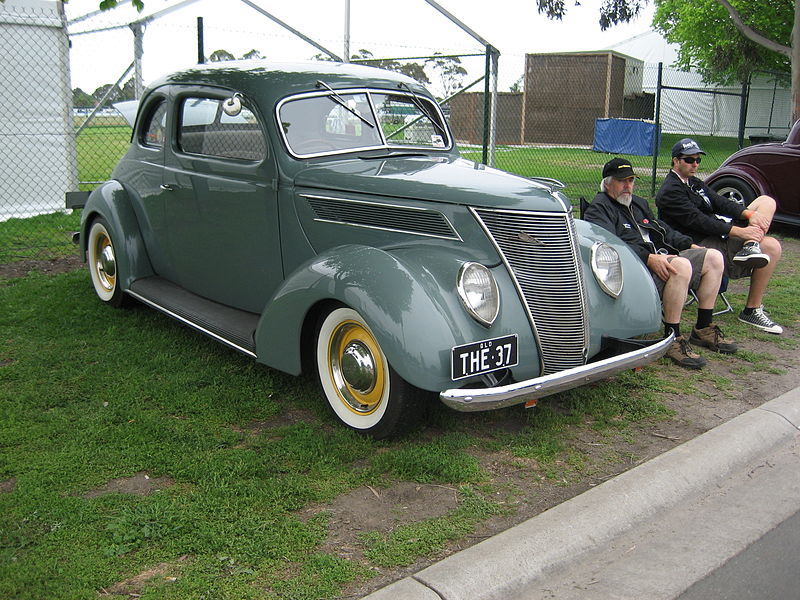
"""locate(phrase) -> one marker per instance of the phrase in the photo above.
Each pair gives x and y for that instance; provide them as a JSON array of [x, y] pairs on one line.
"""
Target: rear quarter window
[[154, 129]]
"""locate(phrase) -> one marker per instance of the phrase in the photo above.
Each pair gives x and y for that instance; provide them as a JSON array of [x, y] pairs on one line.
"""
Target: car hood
[[435, 179]]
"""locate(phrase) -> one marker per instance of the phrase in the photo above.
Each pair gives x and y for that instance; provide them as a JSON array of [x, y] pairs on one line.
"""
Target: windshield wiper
[[340, 101], [423, 109]]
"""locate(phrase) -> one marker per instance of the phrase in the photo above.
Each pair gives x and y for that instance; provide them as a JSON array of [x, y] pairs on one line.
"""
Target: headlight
[[607, 268], [479, 292]]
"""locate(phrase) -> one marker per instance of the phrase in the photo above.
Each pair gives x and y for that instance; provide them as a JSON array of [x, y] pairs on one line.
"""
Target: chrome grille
[[541, 251]]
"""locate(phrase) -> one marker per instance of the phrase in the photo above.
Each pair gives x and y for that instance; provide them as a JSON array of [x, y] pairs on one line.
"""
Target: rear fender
[[111, 202]]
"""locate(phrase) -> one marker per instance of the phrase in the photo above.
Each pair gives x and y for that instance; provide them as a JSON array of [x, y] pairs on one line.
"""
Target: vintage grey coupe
[[319, 216]]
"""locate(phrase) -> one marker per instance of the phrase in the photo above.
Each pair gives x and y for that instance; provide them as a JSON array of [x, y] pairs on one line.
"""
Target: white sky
[[388, 28]]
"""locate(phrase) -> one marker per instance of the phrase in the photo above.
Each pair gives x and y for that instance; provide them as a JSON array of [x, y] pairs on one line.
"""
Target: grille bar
[[542, 252]]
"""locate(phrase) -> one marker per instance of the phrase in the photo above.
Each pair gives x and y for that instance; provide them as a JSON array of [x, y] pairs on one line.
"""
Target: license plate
[[483, 357]]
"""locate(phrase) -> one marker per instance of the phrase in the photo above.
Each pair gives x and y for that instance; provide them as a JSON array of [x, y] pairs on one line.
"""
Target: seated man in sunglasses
[[713, 221]]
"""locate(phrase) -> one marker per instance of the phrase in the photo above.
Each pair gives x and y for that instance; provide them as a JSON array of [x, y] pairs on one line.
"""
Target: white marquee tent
[[769, 108]]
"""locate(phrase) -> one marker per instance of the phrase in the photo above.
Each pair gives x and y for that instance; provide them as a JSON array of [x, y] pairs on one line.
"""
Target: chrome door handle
[[167, 187]]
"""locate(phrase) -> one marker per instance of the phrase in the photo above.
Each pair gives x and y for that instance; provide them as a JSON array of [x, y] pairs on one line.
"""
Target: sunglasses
[[690, 159]]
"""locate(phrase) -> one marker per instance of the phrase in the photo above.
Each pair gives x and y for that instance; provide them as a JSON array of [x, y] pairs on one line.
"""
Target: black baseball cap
[[618, 168], [685, 147]]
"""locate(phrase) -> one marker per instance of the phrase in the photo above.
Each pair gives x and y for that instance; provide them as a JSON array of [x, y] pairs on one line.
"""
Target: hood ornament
[[527, 237]]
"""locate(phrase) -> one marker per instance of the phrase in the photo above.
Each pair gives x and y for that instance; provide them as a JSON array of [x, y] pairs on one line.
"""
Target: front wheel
[[101, 256], [734, 189], [361, 388]]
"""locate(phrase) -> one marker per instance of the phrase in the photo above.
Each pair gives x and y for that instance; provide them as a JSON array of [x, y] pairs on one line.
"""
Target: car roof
[[274, 80]]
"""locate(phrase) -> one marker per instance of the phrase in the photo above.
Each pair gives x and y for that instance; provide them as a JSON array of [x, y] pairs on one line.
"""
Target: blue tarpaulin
[[624, 136]]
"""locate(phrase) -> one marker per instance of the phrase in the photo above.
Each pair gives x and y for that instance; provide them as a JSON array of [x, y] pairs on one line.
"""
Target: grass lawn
[[237, 463]]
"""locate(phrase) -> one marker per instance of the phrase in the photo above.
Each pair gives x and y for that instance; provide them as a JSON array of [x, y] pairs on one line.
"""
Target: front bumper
[[478, 399]]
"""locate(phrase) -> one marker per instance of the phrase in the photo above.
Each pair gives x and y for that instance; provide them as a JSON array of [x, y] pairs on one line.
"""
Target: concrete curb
[[499, 567]]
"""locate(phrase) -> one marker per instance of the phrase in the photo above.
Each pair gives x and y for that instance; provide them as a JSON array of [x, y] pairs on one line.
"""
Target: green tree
[[252, 54], [732, 57], [722, 39], [450, 71], [220, 55], [81, 99], [109, 4], [101, 91], [412, 69]]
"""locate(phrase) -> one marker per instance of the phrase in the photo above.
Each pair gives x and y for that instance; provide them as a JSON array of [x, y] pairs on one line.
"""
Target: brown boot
[[682, 355], [711, 337]]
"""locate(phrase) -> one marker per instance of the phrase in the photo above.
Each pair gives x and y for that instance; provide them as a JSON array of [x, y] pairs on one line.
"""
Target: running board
[[233, 327]]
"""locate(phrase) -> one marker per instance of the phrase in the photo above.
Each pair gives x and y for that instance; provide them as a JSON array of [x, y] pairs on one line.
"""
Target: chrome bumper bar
[[478, 399]]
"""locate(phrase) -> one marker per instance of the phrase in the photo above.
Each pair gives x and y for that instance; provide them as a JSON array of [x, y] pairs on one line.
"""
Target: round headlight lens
[[479, 293], [607, 268]]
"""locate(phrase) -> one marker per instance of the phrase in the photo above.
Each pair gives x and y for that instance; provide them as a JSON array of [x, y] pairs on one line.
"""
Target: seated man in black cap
[[675, 263], [739, 232]]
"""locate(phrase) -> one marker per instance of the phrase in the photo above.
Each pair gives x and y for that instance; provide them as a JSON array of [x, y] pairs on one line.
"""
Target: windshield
[[347, 120]]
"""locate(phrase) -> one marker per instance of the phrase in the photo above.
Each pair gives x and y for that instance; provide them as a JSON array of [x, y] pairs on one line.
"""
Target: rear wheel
[[101, 256], [361, 388], [734, 189]]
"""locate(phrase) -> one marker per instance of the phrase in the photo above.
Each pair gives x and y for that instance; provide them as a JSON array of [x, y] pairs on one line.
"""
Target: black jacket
[[628, 223], [692, 208]]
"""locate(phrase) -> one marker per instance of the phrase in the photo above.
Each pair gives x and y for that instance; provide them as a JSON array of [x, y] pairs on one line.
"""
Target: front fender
[[408, 297], [636, 311], [111, 202]]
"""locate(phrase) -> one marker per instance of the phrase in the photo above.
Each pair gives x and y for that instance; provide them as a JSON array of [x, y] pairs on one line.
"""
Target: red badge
[[645, 221]]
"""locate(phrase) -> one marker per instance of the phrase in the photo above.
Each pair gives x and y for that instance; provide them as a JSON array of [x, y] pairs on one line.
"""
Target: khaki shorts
[[696, 257], [729, 246]]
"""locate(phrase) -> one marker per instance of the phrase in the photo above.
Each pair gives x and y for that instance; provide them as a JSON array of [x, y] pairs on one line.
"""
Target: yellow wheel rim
[[357, 367]]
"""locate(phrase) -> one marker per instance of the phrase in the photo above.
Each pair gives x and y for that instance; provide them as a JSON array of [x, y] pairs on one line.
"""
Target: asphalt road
[[767, 569]]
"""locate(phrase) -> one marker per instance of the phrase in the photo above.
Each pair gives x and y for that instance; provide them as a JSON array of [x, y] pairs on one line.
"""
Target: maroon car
[[772, 169]]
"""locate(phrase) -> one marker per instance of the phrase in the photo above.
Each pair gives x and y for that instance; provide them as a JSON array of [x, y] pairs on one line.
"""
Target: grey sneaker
[[758, 318], [751, 256], [680, 352]]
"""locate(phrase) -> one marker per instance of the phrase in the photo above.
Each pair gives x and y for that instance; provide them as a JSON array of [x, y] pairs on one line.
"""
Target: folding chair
[[723, 287]]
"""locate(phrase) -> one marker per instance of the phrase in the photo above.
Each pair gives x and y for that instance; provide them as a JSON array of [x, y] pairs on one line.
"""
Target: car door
[[143, 175], [222, 210]]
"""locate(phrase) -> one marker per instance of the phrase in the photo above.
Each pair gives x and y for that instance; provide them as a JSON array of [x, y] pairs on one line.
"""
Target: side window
[[205, 129], [155, 127]]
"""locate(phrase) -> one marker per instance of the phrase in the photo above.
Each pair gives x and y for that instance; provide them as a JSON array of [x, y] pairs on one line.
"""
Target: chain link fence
[[579, 110], [572, 113]]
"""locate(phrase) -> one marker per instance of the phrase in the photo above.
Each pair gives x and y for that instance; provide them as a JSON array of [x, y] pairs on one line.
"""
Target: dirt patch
[[134, 586], [140, 484], [8, 486], [53, 266], [379, 509]]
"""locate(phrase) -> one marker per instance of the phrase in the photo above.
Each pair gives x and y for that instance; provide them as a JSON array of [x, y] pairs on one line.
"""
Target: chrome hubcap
[[358, 367]]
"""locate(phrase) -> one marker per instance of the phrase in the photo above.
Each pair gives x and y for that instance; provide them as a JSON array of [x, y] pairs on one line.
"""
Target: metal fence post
[[743, 110], [201, 53], [486, 104], [657, 141]]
